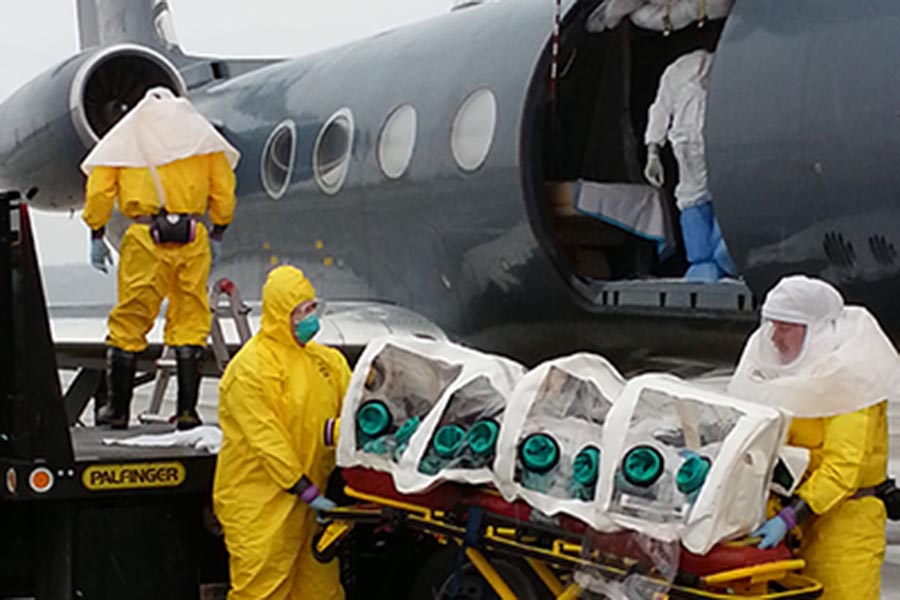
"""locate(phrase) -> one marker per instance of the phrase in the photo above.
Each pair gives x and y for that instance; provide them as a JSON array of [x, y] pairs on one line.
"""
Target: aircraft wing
[[79, 331]]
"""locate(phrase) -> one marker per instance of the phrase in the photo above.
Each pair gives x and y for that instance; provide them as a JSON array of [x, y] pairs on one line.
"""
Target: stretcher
[[484, 526]]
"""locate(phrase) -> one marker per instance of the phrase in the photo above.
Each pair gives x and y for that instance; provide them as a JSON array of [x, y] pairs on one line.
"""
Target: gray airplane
[[429, 179], [431, 174]]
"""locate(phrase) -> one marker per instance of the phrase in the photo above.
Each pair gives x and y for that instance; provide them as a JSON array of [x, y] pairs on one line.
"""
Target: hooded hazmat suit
[[276, 405], [164, 160], [837, 388]]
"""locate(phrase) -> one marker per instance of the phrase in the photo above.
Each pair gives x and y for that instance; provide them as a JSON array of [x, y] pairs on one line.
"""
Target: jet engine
[[48, 125]]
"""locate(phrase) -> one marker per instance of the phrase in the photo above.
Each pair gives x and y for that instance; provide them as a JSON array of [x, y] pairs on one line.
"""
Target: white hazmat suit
[[678, 115], [835, 372]]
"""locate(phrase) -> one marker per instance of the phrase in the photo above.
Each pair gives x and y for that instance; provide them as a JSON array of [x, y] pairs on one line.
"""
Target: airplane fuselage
[[801, 132]]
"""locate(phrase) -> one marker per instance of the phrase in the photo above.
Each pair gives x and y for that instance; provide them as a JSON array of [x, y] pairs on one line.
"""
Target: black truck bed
[[101, 470]]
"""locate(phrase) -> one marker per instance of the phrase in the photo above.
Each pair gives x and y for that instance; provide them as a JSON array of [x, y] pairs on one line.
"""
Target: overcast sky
[[40, 33]]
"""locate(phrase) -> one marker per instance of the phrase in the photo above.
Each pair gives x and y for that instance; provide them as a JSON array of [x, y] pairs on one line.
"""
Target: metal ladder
[[166, 365]]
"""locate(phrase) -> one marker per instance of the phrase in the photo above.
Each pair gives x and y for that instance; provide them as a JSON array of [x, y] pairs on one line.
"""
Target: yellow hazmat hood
[[285, 288]]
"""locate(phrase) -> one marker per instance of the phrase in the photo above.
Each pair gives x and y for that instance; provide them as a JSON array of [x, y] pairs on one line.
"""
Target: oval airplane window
[[278, 159], [331, 157], [473, 129], [398, 138]]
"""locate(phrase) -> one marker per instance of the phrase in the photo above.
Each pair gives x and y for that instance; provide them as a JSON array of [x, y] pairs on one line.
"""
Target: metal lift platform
[[78, 518]]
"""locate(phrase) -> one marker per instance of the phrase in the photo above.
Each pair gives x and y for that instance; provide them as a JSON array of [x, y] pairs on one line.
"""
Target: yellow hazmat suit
[[835, 379], [149, 272], [276, 401], [843, 542]]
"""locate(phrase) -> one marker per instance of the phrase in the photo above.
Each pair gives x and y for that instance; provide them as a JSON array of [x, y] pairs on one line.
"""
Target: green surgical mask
[[307, 328]]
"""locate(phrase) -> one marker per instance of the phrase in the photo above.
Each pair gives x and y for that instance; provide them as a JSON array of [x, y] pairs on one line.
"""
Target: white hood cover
[[847, 362], [426, 387], [663, 416], [161, 129], [568, 400]]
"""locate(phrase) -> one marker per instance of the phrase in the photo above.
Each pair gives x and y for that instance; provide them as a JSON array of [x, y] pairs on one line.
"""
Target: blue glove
[[100, 255], [772, 532], [215, 250], [322, 503]]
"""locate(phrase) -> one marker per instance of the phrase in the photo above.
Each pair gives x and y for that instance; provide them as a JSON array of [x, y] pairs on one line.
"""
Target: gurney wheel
[[433, 580], [326, 555]]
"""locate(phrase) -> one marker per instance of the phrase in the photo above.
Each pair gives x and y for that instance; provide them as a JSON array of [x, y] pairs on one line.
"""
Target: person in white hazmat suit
[[678, 115], [833, 369]]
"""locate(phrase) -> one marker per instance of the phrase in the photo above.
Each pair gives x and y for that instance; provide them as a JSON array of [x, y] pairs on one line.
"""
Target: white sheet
[[205, 437]]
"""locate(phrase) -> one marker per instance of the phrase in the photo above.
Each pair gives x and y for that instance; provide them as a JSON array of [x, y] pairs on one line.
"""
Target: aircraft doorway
[[601, 219]]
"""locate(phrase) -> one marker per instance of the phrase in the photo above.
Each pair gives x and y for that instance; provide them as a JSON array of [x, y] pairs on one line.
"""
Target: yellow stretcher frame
[[750, 583]]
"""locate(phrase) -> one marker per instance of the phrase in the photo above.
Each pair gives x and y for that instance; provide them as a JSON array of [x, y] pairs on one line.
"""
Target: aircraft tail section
[[149, 24], [109, 22]]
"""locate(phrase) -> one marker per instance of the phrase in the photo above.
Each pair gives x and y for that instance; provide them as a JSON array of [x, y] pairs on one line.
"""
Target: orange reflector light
[[11, 480], [41, 480]]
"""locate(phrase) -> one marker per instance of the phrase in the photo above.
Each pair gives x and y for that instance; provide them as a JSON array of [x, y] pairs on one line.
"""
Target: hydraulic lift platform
[[80, 519]]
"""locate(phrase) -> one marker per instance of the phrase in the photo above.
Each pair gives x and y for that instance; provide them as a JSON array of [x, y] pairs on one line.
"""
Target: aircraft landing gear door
[[803, 136]]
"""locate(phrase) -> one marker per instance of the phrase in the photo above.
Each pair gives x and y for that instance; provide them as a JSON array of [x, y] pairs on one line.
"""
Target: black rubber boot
[[116, 412], [188, 358]]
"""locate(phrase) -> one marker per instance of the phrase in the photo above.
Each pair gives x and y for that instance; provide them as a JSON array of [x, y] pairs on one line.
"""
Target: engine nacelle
[[50, 123]]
